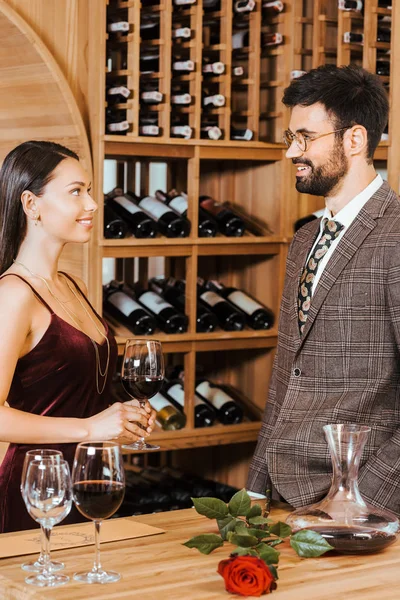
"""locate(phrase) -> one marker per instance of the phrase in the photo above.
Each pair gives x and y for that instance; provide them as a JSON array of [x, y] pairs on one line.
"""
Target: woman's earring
[[36, 219]]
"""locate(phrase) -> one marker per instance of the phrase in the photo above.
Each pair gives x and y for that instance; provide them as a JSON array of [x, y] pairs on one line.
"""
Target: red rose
[[246, 576]]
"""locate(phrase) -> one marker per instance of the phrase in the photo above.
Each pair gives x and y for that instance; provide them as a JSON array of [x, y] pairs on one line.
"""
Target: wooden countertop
[[159, 567]]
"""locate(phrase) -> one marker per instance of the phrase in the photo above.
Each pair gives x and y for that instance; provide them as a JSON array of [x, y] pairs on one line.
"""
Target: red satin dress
[[57, 378]]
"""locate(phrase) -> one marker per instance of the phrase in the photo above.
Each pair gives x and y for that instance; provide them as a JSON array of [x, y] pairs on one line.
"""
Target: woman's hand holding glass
[[48, 498], [123, 422]]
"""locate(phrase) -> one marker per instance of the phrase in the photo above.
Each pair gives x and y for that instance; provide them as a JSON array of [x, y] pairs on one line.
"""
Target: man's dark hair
[[350, 94]]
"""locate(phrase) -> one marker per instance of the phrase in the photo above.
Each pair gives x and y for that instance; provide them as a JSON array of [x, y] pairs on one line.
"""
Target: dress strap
[[38, 296], [86, 299]]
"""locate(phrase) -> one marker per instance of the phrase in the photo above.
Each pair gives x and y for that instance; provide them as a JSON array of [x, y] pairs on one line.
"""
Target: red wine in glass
[[98, 499], [141, 387]]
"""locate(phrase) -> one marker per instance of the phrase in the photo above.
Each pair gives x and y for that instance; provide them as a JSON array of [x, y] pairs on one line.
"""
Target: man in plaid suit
[[338, 356]]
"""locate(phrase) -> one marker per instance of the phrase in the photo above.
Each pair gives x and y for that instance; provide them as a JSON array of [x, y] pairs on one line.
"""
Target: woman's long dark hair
[[30, 167]]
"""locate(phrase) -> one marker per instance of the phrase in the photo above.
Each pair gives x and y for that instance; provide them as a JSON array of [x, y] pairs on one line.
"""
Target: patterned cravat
[[330, 233]]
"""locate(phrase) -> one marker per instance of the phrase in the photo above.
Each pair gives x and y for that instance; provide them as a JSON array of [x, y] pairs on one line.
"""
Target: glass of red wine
[[142, 376], [98, 488]]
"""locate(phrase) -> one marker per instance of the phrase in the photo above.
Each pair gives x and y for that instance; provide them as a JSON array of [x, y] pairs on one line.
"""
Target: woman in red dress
[[57, 354]]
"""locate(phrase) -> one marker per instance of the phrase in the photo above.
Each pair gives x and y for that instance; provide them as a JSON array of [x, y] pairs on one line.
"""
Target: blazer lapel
[[360, 228]]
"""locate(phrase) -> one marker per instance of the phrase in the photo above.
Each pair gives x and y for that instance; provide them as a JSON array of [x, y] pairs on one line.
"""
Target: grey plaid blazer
[[344, 369]]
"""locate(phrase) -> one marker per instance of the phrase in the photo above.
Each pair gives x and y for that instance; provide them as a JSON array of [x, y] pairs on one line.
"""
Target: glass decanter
[[349, 523]]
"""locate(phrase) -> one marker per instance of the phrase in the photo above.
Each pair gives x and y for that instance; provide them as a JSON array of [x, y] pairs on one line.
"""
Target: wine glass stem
[[41, 558], [142, 404], [97, 563], [46, 552]]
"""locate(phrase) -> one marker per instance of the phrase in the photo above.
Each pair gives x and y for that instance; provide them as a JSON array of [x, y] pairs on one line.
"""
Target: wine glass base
[[97, 577], [51, 581], [37, 566], [141, 446]]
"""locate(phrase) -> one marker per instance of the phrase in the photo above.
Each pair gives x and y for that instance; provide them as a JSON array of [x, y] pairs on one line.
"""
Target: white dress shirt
[[345, 216]]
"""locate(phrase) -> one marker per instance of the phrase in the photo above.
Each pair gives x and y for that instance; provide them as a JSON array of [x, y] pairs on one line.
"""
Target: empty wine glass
[[40, 454], [142, 376], [48, 498], [98, 487]]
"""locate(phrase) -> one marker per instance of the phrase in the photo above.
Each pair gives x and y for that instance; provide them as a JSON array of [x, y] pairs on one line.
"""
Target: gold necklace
[[71, 314]]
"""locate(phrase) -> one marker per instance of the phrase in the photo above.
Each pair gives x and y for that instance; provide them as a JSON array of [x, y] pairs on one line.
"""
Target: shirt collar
[[349, 212]]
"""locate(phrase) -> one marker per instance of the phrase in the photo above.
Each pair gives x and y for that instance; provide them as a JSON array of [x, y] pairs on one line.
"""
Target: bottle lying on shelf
[[148, 129], [115, 227], [169, 222], [168, 417], [180, 67], [184, 2], [243, 6], [174, 292], [211, 5], [204, 413], [139, 222], [117, 95], [257, 316], [168, 318], [149, 63], [351, 5], [228, 410], [149, 29], [181, 33], [383, 68], [241, 133], [229, 223], [179, 203], [151, 97], [229, 317], [241, 39], [272, 8], [116, 121], [237, 71], [181, 99], [210, 132], [118, 26], [213, 100], [383, 35], [123, 307], [181, 131], [213, 68], [271, 39]]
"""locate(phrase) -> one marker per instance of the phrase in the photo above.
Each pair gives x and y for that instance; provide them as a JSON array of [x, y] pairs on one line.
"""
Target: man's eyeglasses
[[303, 139]]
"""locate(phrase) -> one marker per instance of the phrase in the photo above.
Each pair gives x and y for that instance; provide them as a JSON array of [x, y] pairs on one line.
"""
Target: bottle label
[[244, 5], [121, 126], [183, 2], [183, 65], [238, 39], [213, 133], [121, 90], [211, 298], [152, 96], [120, 26], [182, 130], [149, 130], [242, 134], [155, 208], [127, 204], [154, 302], [181, 99], [216, 100], [243, 301], [124, 303], [238, 71], [217, 67], [212, 206], [215, 395], [177, 393], [158, 402], [179, 204], [183, 32]]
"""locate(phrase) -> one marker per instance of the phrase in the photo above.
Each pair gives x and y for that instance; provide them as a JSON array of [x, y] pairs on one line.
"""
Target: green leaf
[[246, 541], [242, 529], [281, 529], [205, 543], [240, 504], [274, 542], [259, 521], [258, 533], [268, 554], [226, 525], [239, 551], [274, 571], [241, 526], [309, 544], [255, 511], [212, 508]]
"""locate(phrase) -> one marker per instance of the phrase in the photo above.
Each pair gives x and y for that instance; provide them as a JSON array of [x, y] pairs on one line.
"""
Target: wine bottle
[[211, 132], [240, 39], [117, 95], [141, 225], [114, 227], [237, 71], [167, 317], [204, 414], [181, 33], [257, 316], [349, 37], [213, 100], [149, 130], [151, 97], [183, 99], [214, 68], [118, 26], [184, 2], [168, 417], [229, 318], [351, 5], [243, 6], [229, 223], [125, 309], [174, 292], [211, 5], [182, 66], [241, 133], [179, 203], [228, 411], [383, 68], [169, 222], [272, 8], [181, 131], [116, 122], [149, 30], [149, 63], [271, 39]]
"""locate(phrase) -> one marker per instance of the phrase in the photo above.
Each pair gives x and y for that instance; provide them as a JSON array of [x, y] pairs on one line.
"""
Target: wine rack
[[260, 52]]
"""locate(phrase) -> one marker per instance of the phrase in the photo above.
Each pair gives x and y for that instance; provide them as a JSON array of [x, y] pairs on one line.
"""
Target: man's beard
[[322, 180]]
